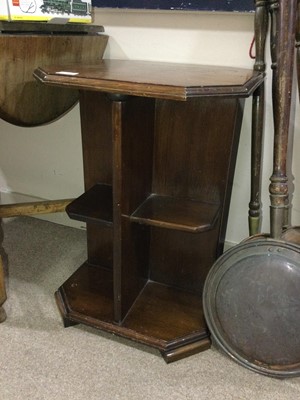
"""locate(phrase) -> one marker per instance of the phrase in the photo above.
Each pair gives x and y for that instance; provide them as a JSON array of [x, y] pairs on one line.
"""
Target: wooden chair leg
[[33, 208], [2, 292]]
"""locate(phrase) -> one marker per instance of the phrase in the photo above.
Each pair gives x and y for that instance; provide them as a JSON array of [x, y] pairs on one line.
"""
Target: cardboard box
[[3, 10], [47, 10]]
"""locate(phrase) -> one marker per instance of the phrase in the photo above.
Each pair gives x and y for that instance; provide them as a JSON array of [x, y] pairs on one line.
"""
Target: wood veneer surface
[[153, 79]]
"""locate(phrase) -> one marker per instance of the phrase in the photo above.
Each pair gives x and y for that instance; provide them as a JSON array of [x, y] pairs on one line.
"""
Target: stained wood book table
[[159, 149]]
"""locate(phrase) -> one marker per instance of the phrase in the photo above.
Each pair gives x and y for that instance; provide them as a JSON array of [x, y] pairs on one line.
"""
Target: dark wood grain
[[163, 317], [132, 171], [171, 165], [96, 131], [153, 79]]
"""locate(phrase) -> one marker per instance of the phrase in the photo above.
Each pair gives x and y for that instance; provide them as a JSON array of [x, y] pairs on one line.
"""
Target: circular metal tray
[[251, 303]]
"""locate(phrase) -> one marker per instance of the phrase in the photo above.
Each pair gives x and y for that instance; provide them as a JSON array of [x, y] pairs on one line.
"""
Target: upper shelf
[[153, 79]]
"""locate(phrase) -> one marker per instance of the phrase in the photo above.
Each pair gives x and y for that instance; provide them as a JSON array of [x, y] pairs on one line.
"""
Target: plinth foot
[[185, 351]]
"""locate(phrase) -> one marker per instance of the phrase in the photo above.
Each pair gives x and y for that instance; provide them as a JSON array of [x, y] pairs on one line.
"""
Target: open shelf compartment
[[95, 205], [162, 317]]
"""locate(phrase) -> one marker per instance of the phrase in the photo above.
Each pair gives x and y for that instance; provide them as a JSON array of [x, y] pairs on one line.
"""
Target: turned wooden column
[[283, 26]]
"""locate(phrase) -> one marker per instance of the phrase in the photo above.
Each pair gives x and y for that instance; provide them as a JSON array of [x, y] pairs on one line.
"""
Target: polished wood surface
[[182, 214], [152, 79], [158, 178], [22, 100], [176, 317], [283, 28]]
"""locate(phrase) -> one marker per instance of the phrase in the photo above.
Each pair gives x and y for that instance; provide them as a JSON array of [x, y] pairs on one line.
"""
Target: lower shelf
[[166, 318]]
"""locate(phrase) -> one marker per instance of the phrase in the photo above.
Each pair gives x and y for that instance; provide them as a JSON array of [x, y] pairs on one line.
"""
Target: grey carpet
[[39, 359]]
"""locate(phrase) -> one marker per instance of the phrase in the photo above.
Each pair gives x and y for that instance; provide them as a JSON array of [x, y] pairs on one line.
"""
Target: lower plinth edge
[[186, 350], [178, 352]]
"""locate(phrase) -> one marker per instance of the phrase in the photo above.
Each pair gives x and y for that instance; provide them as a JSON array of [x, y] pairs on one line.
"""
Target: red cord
[[251, 55]]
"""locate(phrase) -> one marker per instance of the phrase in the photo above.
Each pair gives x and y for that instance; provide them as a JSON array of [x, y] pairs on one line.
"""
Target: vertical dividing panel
[[117, 107], [95, 112], [137, 166], [133, 122]]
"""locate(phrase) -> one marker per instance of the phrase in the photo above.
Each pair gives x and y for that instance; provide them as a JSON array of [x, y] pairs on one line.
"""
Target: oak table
[[159, 150]]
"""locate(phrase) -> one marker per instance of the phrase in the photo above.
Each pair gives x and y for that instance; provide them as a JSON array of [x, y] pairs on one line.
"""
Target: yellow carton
[[3, 10], [47, 10]]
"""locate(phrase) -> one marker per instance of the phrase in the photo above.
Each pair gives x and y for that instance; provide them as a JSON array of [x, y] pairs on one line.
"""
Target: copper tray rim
[[219, 338]]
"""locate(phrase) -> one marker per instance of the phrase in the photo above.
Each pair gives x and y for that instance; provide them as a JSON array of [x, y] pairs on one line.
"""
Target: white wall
[[46, 161]]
